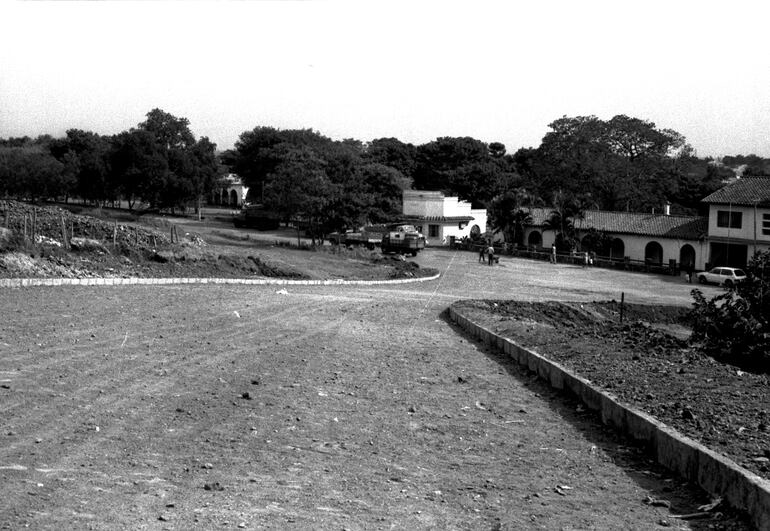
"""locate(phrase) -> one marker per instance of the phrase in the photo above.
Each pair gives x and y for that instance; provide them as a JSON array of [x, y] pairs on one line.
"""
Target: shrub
[[734, 327]]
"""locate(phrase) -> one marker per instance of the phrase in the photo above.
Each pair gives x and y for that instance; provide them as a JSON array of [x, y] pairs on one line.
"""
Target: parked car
[[724, 276]]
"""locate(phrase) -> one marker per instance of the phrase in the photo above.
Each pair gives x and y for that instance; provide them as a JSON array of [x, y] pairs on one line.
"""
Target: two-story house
[[739, 221]]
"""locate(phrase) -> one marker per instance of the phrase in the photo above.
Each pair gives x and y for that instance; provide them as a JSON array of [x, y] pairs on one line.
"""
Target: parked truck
[[369, 237], [404, 239]]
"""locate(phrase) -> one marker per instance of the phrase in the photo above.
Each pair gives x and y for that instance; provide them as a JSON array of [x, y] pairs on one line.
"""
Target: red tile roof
[[638, 224], [744, 191]]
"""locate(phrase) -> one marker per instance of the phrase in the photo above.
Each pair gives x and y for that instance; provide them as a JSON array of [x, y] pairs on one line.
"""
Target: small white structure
[[441, 218], [229, 191]]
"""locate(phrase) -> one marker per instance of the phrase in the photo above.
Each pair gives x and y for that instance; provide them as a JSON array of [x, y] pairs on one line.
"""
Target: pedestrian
[[585, 259], [482, 254], [491, 254], [553, 253]]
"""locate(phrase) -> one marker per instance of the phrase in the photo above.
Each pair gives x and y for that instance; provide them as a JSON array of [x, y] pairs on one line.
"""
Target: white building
[[229, 191], [739, 221], [442, 218]]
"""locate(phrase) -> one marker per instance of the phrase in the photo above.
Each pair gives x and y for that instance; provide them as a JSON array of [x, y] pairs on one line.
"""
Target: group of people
[[488, 254]]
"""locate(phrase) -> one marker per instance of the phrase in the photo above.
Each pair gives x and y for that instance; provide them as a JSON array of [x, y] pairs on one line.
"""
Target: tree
[[735, 326], [394, 153], [459, 166], [299, 189], [510, 213], [85, 156], [625, 163], [139, 166]]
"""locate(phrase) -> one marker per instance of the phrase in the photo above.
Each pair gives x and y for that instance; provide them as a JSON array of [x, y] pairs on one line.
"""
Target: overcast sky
[[416, 70]]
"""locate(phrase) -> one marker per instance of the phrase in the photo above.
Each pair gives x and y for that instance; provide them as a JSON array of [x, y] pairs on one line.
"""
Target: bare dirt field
[[344, 407]]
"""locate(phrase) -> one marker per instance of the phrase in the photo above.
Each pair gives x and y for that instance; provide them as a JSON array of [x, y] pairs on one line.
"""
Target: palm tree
[[510, 212]]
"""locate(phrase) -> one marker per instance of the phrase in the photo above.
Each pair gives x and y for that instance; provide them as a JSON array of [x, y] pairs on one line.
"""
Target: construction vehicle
[[365, 237], [403, 239]]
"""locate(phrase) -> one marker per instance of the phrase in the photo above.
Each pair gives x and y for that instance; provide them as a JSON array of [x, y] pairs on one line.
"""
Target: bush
[[734, 327]]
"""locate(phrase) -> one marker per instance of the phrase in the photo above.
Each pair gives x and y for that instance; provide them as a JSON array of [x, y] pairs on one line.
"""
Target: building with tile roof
[[442, 218], [737, 226], [739, 221], [652, 238]]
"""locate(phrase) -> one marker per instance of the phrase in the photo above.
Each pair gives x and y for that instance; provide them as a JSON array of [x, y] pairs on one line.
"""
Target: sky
[[498, 71]]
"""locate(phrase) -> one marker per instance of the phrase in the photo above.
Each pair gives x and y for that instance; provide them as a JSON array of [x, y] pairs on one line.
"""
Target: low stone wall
[[716, 474], [31, 282]]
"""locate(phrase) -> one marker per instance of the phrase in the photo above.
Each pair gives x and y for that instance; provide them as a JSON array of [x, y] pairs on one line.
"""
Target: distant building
[[442, 218], [739, 221], [652, 238], [229, 192]]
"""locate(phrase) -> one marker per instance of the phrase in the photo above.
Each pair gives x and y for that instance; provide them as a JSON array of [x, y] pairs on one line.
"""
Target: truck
[[257, 217], [403, 239], [369, 237]]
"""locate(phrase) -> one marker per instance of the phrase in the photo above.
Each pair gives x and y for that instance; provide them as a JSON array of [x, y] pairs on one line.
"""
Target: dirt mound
[[647, 362], [47, 221]]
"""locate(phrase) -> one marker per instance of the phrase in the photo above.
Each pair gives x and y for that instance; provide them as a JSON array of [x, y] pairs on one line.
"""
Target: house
[[442, 219], [229, 191], [654, 239], [739, 221]]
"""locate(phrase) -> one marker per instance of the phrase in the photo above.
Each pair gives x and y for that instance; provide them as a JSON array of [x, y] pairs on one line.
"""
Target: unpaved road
[[200, 407]]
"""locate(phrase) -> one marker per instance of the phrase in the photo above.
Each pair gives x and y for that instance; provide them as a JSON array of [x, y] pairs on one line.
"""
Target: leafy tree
[[139, 166], [31, 173], [510, 212], [394, 153], [299, 188], [459, 166], [85, 156], [625, 163], [735, 326]]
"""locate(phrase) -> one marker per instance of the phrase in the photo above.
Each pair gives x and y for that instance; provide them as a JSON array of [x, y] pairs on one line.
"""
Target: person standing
[[482, 254], [491, 254], [553, 253]]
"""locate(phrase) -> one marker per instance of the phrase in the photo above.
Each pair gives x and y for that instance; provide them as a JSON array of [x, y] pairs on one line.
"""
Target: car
[[724, 276]]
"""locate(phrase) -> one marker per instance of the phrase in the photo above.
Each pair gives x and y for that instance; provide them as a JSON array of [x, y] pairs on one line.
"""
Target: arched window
[[653, 253]]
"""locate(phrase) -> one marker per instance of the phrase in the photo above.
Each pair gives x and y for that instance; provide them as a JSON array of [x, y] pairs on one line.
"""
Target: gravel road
[[339, 407]]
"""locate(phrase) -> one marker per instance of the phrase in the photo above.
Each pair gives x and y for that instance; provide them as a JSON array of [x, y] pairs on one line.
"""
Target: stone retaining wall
[[715, 473]]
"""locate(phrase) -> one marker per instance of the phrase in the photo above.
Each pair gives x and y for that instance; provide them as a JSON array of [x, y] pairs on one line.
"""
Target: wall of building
[[635, 246], [751, 225], [422, 203]]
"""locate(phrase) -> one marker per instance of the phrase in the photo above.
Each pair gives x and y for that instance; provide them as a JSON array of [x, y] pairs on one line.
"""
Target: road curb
[[34, 282], [714, 473]]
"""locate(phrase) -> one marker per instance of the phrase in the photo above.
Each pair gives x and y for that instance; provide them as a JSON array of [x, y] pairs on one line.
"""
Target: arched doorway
[[535, 239], [653, 253], [687, 256], [233, 198], [617, 249]]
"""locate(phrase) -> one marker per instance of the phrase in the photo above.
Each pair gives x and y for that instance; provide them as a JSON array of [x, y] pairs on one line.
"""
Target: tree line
[[159, 163], [583, 162]]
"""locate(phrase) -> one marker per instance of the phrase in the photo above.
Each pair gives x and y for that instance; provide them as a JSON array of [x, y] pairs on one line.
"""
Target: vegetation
[[735, 326], [322, 185]]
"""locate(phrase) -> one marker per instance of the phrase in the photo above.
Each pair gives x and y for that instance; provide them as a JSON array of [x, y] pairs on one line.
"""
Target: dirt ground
[[344, 407], [646, 362], [122, 245]]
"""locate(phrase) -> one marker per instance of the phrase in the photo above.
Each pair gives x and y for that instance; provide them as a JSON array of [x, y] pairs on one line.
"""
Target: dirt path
[[323, 408]]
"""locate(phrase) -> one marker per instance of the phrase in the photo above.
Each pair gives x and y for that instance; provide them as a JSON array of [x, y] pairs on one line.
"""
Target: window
[[433, 231], [766, 224], [731, 220]]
